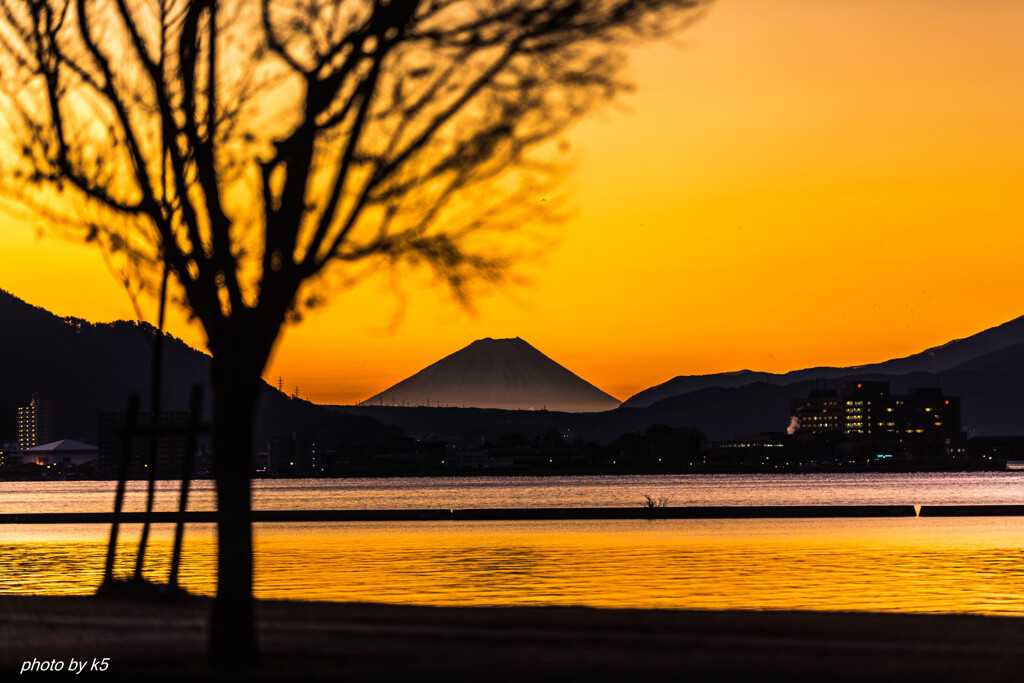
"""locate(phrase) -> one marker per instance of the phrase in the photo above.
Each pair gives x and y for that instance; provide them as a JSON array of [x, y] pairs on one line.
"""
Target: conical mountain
[[497, 373]]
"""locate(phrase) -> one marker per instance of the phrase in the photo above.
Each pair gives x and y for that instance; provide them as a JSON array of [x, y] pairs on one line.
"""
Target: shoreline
[[528, 514], [998, 467], [380, 642]]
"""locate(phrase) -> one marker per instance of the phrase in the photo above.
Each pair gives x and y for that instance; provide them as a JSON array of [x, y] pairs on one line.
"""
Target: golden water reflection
[[913, 564], [847, 488]]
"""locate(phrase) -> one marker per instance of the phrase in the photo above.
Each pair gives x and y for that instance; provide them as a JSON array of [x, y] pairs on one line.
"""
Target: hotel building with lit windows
[[35, 423], [869, 411]]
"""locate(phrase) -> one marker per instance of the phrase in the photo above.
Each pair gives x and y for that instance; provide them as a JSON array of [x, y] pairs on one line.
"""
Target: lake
[[971, 564]]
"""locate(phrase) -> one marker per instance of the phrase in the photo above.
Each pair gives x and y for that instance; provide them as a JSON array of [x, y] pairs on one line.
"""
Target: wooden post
[[127, 438], [155, 385], [195, 414]]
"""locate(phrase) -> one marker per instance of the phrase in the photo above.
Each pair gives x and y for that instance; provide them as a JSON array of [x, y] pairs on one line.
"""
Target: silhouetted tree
[[630, 449], [512, 440], [595, 454], [264, 150], [551, 438], [671, 446], [659, 446]]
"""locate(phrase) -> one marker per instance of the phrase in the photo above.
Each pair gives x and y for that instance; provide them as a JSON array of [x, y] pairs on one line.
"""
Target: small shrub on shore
[[650, 501]]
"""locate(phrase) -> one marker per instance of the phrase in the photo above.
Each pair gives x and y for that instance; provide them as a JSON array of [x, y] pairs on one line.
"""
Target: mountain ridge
[[936, 359], [86, 368], [507, 374]]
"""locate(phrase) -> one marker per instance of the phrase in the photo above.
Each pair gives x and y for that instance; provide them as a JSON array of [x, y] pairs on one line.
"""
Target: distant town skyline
[[792, 184]]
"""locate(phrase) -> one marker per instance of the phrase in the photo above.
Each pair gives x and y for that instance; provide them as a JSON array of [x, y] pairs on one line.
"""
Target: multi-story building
[[170, 445], [868, 411], [294, 455], [35, 423], [7, 452], [820, 413]]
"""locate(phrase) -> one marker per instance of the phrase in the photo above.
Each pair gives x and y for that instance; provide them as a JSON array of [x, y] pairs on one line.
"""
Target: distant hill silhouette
[[991, 389], [473, 425], [985, 370], [935, 360], [497, 373], [84, 369]]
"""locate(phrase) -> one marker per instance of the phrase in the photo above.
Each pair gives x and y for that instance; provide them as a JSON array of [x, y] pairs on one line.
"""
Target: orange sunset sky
[[794, 183]]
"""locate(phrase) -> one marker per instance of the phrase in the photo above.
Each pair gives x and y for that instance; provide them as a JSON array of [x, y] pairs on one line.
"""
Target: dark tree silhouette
[[267, 151]]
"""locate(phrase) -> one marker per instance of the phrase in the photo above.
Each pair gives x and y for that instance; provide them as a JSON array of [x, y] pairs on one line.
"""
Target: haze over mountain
[[938, 359], [497, 373]]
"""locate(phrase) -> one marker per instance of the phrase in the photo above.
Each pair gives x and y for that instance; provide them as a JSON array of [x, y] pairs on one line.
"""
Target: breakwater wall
[[532, 514]]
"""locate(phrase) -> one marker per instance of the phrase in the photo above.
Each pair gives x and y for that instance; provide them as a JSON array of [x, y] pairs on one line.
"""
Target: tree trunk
[[232, 625]]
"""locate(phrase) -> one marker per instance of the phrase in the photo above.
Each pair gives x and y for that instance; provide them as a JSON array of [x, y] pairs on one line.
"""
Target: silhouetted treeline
[[659, 448]]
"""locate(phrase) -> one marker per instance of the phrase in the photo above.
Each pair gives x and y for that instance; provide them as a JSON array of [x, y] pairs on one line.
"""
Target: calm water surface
[[893, 564], [500, 492]]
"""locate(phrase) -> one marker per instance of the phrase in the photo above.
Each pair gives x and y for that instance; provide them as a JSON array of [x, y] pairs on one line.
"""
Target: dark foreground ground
[[361, 642]]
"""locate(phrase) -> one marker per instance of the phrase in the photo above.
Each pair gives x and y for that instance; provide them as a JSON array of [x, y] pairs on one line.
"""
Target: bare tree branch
[[262, 149]]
